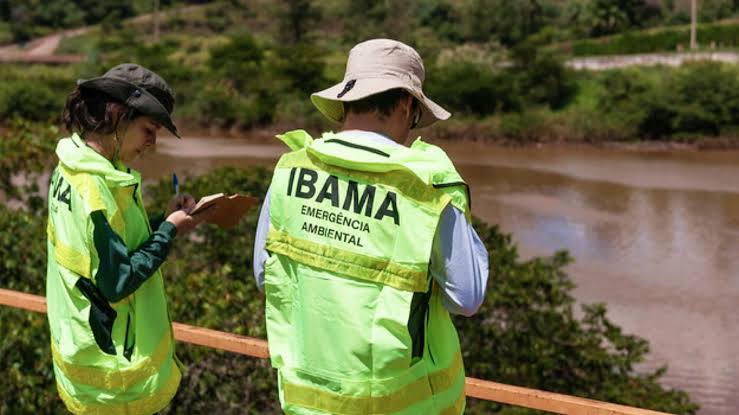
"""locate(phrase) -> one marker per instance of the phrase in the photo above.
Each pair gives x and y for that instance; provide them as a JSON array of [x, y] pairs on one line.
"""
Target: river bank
[[481, 133]]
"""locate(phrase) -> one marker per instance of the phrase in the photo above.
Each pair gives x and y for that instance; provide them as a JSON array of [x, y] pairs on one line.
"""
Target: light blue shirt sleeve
[[260, 241], [459, 263], [459, 260]]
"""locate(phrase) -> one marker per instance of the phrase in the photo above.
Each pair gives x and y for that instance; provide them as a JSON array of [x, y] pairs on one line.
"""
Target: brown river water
[[654, 235]]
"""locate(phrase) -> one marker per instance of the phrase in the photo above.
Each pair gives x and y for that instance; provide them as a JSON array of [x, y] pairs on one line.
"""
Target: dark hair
[[91, 111], [384, 102]]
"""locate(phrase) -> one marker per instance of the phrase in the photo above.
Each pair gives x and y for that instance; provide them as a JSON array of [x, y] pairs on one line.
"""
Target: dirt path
[[41, 50]]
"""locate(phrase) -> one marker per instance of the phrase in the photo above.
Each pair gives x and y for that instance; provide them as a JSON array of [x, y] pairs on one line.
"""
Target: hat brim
[[143, 101], [330, 101]]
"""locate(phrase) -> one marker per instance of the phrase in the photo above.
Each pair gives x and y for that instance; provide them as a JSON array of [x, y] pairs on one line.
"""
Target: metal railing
[[474, 388]]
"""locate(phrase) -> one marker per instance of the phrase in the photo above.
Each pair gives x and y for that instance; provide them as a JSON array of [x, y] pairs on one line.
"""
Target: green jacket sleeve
[[120, 273], [156, 220]]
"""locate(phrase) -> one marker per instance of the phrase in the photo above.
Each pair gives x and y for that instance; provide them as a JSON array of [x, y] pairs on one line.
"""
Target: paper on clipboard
[[230, 208]]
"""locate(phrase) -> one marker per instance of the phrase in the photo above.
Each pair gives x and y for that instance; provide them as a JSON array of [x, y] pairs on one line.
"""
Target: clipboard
[[230, 208]]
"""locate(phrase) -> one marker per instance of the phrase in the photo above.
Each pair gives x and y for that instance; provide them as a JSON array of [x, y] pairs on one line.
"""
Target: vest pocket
[[417, 322], [102, 315]]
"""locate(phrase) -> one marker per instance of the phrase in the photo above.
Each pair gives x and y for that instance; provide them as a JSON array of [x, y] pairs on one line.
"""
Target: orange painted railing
[[474, 388]]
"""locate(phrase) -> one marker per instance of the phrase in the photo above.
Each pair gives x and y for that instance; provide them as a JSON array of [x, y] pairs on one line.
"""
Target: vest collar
[[372, 136], [77, 156], [359, 152]]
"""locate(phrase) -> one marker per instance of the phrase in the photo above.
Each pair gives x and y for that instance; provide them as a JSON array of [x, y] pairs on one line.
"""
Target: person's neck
[[102, 145], [373, 123]]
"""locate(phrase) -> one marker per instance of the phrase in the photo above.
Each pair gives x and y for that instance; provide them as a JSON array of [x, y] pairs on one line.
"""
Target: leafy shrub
[[27, 151], [238, 60], [224, 105], [300, 67], [707, 98], [472, 88], [699, 99], [533, 78], [657, 40], [240, 91], [541, 77], [295, 111], [631, 99], [526, 126], [29, 100], [28, 378]]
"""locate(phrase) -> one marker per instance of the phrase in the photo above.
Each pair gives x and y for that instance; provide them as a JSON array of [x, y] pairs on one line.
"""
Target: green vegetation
[[22, 21], [526, 333], [251, 64], [721, 35]]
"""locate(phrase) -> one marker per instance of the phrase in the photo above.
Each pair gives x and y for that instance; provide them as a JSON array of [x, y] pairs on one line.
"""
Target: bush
[[541, 77], [239, 83], [697, 99], [238, 60], [657, 40], [224, 105], [707, 98], [629, 97], [526, 126], [300, 67], [27, 152], [29, 100], [472, 88]]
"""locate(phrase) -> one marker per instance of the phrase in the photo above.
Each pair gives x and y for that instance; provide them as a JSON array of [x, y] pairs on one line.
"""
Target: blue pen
[[175, 184]]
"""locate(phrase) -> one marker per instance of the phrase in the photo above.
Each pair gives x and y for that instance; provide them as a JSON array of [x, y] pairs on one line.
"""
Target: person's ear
[[414, 112], [407, 105]]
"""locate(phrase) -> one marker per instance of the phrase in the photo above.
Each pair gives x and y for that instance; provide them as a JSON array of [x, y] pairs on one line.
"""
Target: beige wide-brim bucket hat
[[375, 66]]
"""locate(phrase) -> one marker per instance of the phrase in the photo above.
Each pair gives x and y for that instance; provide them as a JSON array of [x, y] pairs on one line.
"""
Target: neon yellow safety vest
[[133, 369], [355, 323]]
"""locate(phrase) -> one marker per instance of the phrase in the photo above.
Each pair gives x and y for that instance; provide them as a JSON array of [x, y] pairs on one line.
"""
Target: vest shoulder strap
[[296, 139]]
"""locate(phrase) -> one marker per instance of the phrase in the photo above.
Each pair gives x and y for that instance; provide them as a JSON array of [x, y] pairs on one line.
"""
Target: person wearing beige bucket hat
[[374, 67], [364, 247]]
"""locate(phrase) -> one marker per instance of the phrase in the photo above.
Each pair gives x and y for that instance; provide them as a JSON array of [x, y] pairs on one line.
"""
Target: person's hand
[[184, 222], [180, 202]]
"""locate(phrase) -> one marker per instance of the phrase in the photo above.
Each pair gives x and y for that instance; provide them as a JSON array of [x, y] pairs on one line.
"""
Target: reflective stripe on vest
[[119, 379], [414, 392], [68, 257], [342, 261], [146, 405]]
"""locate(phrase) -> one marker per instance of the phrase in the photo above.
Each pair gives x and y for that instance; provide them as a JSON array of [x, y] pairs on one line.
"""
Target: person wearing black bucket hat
[[139, 88], [111, 337]]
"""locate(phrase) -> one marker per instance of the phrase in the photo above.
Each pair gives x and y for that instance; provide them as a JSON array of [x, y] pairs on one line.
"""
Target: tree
[[541, 76], [605, 17], [509, 22], [297, 18]]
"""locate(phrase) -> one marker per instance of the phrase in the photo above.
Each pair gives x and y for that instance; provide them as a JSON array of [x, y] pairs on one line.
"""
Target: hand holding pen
[[180, 201]]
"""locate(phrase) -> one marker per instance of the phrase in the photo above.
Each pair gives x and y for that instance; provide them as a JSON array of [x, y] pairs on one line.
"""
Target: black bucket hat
[[138, 88]]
